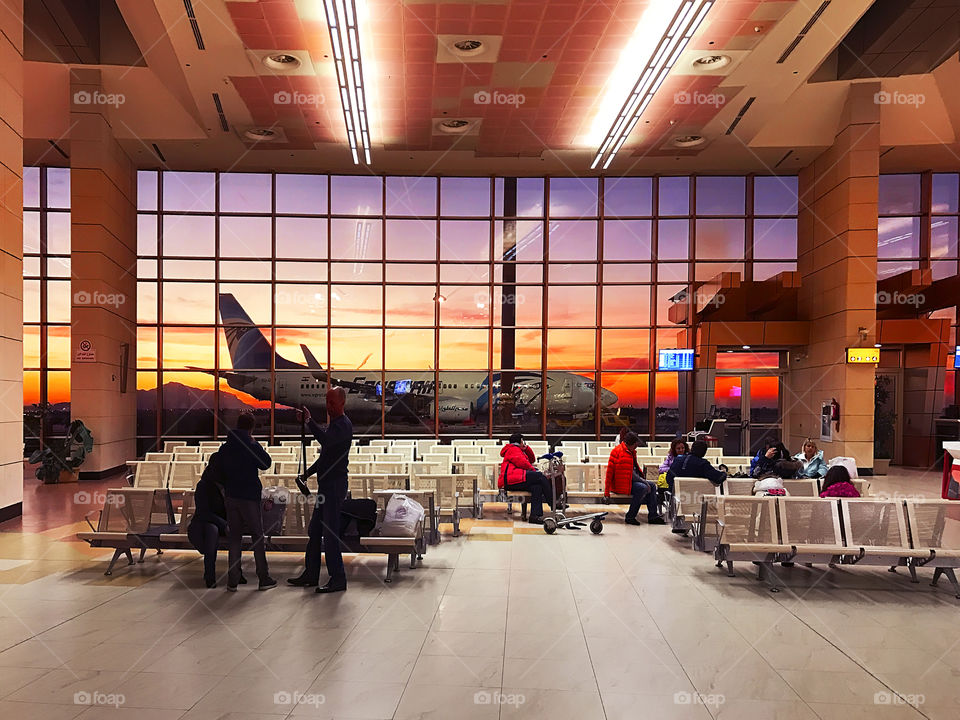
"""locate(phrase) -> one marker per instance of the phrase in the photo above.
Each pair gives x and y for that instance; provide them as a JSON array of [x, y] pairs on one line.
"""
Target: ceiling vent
[[739, 117], [468, 48], [194, 25], [688, 141], [456, 126], [259, 135], [281, 62], [220, 113], [803, 33]]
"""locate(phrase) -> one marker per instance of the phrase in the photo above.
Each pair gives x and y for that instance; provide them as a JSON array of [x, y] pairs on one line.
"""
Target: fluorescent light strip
[[674, 41], [345, 42]]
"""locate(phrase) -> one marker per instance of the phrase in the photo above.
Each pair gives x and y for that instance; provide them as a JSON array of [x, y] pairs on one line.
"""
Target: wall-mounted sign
[[85, 352], [863, 356]]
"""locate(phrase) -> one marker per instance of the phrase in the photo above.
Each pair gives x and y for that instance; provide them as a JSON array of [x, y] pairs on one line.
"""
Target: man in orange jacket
[[624, 477]]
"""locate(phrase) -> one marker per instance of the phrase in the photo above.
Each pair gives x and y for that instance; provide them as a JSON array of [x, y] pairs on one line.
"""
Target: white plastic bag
[[760, 487], [848, 462], [401, 517]]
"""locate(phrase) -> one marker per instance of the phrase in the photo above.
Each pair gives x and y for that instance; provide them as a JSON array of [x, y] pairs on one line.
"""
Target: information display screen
[[676, 360]]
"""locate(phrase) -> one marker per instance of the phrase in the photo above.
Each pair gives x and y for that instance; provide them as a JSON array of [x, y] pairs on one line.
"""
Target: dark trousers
[[205, 537], [540, 489], [245, 515], [643, 491], [324, 534]]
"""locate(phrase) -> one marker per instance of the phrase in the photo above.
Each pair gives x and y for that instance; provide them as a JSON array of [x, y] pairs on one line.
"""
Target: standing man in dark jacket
[[331, 471], [241, 458], [209, 521]]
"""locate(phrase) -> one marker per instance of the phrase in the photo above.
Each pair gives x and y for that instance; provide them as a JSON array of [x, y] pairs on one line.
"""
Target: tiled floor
[[503, 622]]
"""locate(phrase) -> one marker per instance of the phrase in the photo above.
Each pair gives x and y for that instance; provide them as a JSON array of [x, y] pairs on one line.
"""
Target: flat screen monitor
[[676, 359]]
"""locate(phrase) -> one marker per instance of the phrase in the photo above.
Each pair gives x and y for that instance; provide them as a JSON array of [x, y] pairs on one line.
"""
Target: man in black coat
[[241, 459], [209, 521], [331, 471]]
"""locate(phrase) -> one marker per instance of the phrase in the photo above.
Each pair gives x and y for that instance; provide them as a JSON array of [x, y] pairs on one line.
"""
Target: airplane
[[405, 395]]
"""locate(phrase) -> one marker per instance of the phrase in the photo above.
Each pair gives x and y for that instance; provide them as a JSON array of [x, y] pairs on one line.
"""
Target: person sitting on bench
[[624, 477], [836, 483], [694, 465], [209, 521], [517, 472]]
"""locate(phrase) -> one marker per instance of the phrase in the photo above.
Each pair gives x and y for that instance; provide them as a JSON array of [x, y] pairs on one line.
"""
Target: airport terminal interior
[[541, 358]]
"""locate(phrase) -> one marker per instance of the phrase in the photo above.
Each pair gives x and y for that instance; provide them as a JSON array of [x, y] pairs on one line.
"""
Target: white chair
[[387, 468], [368, 450], [714, 452], [571, 454], [184, 475], [169, 445], [158, 457], [151, 474], [389, 457], [442, 459], [469, 452], [381, 443], [462, 442]]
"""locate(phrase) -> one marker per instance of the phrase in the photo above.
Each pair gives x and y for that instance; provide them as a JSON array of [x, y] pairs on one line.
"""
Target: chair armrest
[[87, 518]]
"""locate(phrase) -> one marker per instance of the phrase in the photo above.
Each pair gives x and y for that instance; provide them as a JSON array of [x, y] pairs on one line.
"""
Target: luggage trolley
[[553, 467]]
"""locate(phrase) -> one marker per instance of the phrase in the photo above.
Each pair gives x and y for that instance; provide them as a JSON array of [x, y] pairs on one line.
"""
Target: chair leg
[[413, 560], [456, 523], [143, 551], [390, 563], [730, 572], [116, 554], [129, 556], [951, 576], [913, 573], [523, 510]]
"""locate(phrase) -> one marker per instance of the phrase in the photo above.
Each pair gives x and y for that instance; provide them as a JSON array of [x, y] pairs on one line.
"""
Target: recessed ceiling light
[[746, 347], [711, 61], [686, 141], [467, 47], [454, 127], [281, 61], [260, 134]]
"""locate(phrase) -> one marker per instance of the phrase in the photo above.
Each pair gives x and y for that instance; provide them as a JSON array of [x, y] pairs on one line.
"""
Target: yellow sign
[[863, 356]]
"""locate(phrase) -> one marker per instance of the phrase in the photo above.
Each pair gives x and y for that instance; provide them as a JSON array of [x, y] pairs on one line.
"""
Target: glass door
[[751, 405]]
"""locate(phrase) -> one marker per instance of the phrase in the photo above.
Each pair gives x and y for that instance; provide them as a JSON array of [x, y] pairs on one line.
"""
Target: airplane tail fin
[[249, 349], [318, 372]]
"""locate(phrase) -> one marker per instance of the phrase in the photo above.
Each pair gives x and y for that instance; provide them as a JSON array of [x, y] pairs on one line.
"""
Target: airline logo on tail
[[249, 349]]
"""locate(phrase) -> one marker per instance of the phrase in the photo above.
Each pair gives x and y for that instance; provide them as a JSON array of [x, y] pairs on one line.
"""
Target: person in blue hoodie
[[241, 459], [811, 460]]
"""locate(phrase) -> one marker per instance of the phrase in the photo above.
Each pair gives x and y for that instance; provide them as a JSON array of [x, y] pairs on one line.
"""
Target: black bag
[[358, 517]]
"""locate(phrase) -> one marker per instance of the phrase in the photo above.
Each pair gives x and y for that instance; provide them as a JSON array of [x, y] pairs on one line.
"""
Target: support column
[[837, 260], [103, 260], [11, 259]]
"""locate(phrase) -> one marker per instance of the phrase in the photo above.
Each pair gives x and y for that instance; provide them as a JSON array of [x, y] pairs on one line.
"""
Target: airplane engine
[[455, 412]]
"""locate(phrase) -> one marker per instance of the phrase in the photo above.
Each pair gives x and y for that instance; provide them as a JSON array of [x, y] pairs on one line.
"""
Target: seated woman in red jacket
[[624, 477], [517, 472]]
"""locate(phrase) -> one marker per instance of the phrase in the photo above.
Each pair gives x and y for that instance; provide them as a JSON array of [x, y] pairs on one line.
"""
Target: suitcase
[[273, 507]]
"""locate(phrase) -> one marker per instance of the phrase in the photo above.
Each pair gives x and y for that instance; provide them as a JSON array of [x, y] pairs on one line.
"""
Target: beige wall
[[837, 260], [103, 261], [11, 256]]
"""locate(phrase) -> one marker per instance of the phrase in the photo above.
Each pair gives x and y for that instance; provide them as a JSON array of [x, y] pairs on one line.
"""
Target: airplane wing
[[236, 380]]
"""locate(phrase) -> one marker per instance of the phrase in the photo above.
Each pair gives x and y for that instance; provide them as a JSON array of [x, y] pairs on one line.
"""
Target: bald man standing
[[331, 471]]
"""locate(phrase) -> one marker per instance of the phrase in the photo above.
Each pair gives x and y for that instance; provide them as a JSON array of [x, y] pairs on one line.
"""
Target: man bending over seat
[[624, 477], [242, 458], [517, 472], [209, 521], [694, 465]]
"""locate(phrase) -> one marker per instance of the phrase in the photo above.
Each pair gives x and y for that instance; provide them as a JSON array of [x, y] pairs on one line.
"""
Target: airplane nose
[[608, 398]]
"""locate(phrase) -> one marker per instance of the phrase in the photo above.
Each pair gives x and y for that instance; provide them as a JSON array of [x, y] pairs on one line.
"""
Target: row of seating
[[847, 531], [684, 506], [142, 519]]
